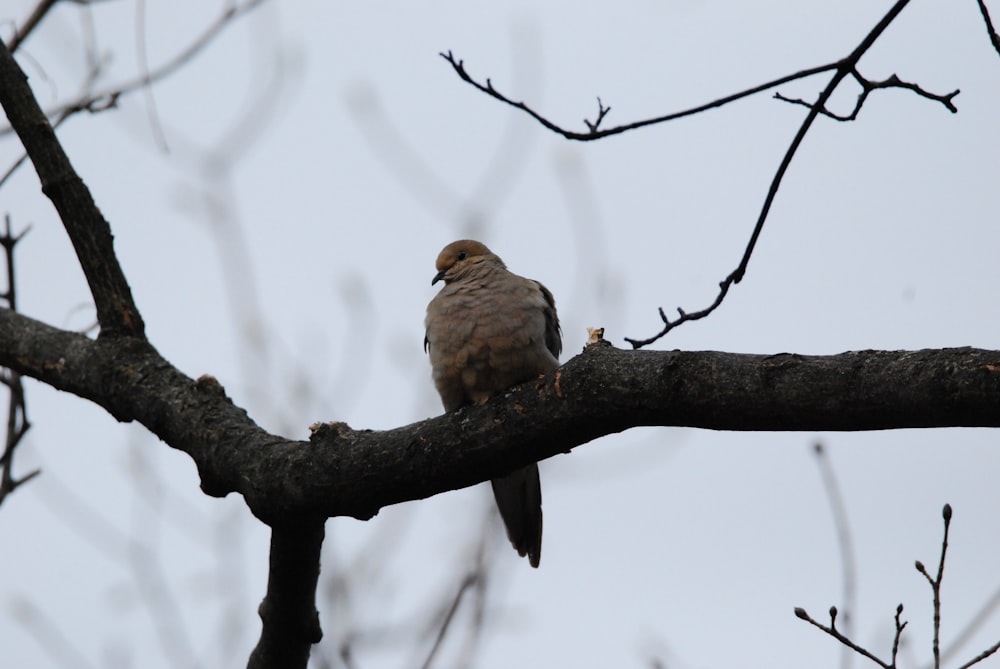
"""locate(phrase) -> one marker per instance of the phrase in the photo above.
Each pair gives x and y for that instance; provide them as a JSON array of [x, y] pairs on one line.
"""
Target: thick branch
[[291, 622], [85, 225], [341, 471]]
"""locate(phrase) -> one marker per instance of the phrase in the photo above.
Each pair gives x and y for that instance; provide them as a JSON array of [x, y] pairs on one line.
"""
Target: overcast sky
[[278, 205]]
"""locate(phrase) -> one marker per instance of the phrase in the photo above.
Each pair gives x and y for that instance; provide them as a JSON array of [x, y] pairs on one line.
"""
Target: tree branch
[[91, 100], [594, 131], [17, 412], [841, 69], [30, 23], [291, 622], [990, 30], [89, 233], [603, 391]]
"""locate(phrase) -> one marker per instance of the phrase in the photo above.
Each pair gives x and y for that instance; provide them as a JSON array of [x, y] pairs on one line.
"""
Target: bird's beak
[[438, 277]]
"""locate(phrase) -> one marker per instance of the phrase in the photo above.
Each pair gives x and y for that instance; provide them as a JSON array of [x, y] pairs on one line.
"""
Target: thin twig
[[867, 86], [593, 130], [843, 69], [899, 633], [17, 414], [832, 631], [935, 584], [994, 38]]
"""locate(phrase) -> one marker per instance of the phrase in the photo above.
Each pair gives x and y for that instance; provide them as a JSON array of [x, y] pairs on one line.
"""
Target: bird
[[486, 330]]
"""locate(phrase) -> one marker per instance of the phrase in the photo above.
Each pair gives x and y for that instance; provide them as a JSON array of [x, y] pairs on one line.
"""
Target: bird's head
[[458, 258]]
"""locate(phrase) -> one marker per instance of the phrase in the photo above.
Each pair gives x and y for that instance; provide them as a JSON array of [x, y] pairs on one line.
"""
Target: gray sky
[[319, 156]]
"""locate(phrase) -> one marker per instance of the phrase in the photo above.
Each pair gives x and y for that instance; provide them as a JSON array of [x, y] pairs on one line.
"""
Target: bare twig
[[840, 69], [843, 68], [593, 130], [835, 633], [867, 86], [935, 584], [994, 38], [17, 416], [899, 633]]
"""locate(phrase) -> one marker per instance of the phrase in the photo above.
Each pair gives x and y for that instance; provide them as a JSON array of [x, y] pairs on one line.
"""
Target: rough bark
[[291, 622], [345, 472]]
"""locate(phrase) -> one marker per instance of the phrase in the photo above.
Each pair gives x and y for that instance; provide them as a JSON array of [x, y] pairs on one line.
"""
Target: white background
[[318, 156]]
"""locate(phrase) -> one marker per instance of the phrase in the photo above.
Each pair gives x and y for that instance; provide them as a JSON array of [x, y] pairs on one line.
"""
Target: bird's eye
[[462, 255]]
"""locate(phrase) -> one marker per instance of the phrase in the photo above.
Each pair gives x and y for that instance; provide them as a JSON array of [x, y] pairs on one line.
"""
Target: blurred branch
[[474, 586], [85, 225], [46, 633], [17, 416], [844, 542], [30, 23], [973, 626], [994, 38], [109, 95]]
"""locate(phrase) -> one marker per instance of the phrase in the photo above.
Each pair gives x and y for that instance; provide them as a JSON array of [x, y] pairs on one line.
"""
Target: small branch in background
[[474, 587], [974, 625], [832, 630], [466, 585], [17, 416], [935, 584], [844, 542], [30, 23], [108, 97]]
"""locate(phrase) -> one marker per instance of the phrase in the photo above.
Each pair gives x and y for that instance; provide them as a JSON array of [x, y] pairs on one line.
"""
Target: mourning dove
[[487, 330]]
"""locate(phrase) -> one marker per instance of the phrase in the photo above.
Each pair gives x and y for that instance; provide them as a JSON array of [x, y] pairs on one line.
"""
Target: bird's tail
[[519, 498]]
